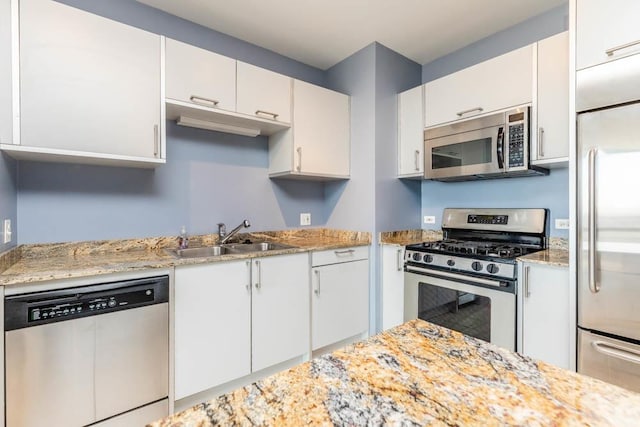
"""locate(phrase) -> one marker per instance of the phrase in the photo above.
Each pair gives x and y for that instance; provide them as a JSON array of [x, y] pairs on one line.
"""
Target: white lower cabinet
[[545, 314], [238, 317], [340, 295], [392, 286], [212, 325], [280, 309]]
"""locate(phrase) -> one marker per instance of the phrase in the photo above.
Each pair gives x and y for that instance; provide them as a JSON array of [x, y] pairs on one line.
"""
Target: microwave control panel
[[517, 140]]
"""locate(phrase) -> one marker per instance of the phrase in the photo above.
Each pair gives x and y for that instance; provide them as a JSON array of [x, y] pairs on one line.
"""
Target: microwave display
[[461, 154]]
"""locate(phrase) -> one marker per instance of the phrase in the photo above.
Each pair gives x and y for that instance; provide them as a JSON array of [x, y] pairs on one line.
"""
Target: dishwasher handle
[[38, 308]]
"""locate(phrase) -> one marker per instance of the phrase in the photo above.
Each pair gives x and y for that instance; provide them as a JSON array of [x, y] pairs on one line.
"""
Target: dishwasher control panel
[[39, 308], [89, 303]]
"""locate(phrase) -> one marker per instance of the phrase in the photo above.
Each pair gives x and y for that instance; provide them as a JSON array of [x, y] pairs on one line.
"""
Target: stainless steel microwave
[[492, 146]]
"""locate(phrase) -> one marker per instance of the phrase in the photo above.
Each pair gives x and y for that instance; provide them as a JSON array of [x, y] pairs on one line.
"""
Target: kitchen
[[227, 180]]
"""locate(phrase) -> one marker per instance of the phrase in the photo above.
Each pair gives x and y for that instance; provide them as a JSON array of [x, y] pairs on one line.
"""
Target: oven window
[[460, 311], [461, 154]]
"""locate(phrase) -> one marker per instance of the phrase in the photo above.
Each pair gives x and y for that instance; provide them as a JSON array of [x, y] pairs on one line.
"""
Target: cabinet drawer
[[334, 256]]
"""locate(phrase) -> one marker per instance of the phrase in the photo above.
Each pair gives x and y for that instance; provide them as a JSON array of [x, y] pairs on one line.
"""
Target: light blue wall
[[397, 200], [551, 191], [209, 177], [8, 198]]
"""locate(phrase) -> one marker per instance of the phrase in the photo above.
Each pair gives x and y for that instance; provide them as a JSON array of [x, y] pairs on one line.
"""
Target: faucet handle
[[222, 229]]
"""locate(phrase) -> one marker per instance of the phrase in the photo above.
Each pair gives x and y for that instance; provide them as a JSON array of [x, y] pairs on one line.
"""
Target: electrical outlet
[[6, 231], [305, 219], [562, 224], [429, 219]]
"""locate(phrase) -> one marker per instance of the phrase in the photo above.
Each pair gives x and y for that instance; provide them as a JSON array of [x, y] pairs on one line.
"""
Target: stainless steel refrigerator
[[608, 251]]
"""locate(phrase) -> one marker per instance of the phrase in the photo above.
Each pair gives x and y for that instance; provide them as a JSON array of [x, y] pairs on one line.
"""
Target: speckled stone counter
[[419, 374], [409, 237], [558, 257], [38, 263]]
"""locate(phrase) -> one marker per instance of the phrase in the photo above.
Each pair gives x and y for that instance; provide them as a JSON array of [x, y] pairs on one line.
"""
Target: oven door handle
[[458, 277], [500, 148]]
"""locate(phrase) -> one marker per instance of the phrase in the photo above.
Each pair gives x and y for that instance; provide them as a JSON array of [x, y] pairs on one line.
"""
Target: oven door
[[453, 301], [474, 152]]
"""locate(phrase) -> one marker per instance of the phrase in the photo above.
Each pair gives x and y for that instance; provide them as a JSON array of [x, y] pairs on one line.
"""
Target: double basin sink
[[231, 248]]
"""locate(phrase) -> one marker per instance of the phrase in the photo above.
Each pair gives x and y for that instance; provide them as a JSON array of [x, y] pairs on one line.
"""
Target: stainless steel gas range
[[468, 280]]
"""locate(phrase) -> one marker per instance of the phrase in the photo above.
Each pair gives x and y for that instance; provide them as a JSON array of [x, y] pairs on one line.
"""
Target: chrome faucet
[[222, 228]]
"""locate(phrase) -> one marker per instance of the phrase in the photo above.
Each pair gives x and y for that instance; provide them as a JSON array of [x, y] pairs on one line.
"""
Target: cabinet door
[[553, 98], [263, 93], [546, 314], [496, 84], [411, 132], [321, 131], [280, 316], [212, 325], [340, 302], [87, 83], [606, 30], [392, 286], [199, 76], [6, 83]]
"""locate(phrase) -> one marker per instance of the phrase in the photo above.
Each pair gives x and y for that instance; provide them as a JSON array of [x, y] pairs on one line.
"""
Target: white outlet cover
[[562, 224], [305, 219], [6, 231], [428, 219]]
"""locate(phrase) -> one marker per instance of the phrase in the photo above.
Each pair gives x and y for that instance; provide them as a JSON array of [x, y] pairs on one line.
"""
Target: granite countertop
[[557, 257], [409, 237], [39, 263], [419, 374]]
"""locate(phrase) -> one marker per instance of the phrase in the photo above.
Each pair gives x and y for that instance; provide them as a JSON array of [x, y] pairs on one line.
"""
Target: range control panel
[[488, 219]]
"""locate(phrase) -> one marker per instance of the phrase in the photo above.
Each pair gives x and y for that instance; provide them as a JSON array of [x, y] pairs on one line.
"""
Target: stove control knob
[[492, 268], [427, 258], [416, 256], [477, 266], [451, 263]]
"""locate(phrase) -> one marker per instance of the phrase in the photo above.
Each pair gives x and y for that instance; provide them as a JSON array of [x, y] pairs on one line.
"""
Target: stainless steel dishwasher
[[89, 354]]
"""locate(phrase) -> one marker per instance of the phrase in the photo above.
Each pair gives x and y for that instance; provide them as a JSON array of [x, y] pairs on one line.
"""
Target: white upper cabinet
[[496, 84], [90, 88], [263, 93], [606, 30], [199, 76], [6, 82], [318, 145], [411, 132], [552, 138]]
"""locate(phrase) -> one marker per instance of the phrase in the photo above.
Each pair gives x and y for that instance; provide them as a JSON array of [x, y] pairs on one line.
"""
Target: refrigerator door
[[610, 360], [609, 221]]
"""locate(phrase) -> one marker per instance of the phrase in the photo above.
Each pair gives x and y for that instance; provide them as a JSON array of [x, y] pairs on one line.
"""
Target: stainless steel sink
[[234, 248], [256, 247], [206, 251]]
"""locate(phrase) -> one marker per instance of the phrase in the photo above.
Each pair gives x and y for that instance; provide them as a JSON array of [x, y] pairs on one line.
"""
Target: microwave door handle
[[500, 148]]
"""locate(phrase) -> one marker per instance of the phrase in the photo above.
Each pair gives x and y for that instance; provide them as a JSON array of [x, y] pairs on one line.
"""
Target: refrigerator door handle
[[594, 286], [616, 351]]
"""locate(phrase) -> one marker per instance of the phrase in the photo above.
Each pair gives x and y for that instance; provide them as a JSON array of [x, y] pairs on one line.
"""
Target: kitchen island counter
[[418, 374]]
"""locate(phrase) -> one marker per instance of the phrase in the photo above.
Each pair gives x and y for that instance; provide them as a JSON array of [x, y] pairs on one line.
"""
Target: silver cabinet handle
[[594, 287], [259, 278], [299, 151], [617, 351], [612, 50], [156, 147], [207, 102], [399, 260], [345, 252], [248, 286], [267, 113], [317, 289], [417, 159], [527, 292], [540, 142], [478, 109]]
